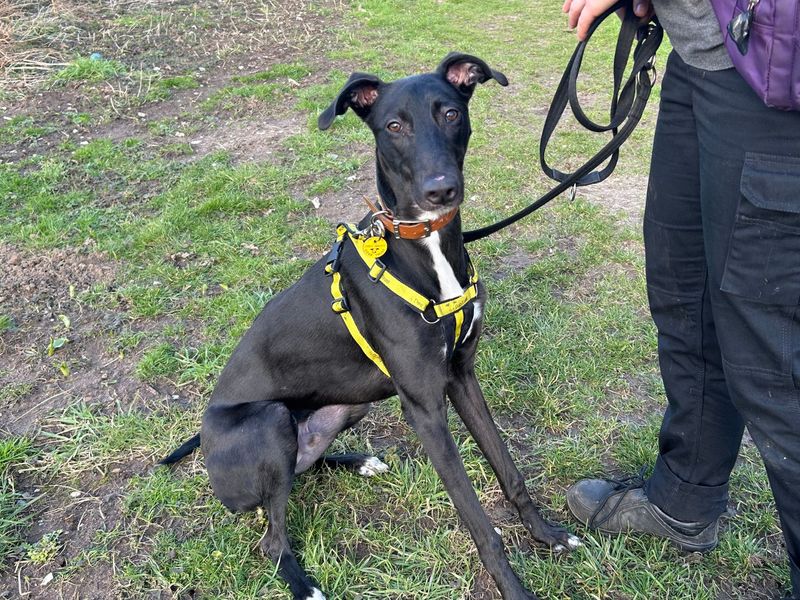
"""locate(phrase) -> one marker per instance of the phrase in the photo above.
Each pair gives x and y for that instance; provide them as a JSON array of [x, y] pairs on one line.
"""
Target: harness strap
[[340, 307], [459, 317], [379, 273]]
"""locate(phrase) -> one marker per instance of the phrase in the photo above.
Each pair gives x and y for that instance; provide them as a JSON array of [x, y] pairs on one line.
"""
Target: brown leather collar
[[410, 230]]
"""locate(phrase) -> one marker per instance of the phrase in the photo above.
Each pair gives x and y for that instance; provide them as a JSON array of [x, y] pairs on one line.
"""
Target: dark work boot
[[619, 506]]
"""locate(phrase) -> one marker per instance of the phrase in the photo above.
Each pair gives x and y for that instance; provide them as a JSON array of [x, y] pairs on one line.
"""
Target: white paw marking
[[372, 466], [558, 548], [317, 595], [497, 529], [574, 541]]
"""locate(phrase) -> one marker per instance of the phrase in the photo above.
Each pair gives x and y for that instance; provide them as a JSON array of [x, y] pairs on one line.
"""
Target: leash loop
[[628, 102]]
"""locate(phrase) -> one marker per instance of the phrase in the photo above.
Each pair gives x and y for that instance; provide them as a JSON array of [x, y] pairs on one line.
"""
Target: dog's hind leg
[[316, 432], [275, 545], [250, 451], [362, 464]]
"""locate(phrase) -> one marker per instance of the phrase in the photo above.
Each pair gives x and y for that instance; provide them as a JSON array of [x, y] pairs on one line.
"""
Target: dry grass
[[32, 34], [39, 37]]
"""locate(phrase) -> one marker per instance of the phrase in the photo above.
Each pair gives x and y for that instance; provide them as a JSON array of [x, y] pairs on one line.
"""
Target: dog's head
[[421, 127]]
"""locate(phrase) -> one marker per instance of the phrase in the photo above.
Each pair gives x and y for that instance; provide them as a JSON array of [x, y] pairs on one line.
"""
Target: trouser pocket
[[763, 261], [762, 269]]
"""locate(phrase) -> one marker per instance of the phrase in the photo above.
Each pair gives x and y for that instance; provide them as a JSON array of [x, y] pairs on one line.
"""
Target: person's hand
[[583, 12]]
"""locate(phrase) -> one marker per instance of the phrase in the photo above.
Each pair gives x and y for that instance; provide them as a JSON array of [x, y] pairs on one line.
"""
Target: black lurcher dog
[[298, 378]]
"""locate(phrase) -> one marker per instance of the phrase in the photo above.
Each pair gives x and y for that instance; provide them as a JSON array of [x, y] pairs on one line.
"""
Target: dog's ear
[[359, 93], [464, 71]]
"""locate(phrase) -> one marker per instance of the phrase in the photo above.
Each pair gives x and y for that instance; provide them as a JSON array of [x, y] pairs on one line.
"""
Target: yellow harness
[[378, 272]]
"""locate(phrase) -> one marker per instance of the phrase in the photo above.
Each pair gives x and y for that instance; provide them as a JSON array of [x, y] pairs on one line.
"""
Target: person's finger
[[565, 8], [575, 12], [587, 16], [641, 8]]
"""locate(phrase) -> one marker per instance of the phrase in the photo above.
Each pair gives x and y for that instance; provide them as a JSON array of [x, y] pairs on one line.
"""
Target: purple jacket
[[772, 63]]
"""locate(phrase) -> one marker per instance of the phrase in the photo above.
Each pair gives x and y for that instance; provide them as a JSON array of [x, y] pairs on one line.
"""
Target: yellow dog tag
[[375, 247]]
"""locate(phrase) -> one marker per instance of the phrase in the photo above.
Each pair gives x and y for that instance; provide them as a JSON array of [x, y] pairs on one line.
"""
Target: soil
[[39, 291], [620, 195]]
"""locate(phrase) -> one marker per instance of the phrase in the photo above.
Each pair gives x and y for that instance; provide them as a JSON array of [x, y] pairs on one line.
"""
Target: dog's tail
[[187, 447]]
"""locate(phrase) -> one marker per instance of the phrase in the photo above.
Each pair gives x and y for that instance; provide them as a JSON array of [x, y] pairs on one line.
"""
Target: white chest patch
[[448, 284]]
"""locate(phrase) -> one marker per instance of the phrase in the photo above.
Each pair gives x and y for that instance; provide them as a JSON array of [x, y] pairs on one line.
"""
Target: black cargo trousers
[[722, 242]]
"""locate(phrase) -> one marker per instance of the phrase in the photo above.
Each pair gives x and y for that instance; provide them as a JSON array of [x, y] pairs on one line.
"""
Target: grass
[[92, 69], [202, 240], [262, 87], [14, 505], [22, 128], [6, 323]]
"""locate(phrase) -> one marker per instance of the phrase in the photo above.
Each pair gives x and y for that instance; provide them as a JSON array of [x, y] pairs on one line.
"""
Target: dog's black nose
[[440, 189]]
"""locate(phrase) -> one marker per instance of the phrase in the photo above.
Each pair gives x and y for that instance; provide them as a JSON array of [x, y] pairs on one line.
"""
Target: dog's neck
[[437, 263]]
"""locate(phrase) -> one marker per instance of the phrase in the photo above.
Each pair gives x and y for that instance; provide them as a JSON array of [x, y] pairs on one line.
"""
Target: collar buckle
[[397, 223]]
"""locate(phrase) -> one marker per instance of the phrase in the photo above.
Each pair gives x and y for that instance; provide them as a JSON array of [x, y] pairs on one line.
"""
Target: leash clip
[[648, 67], [573, 192], [376, 227]]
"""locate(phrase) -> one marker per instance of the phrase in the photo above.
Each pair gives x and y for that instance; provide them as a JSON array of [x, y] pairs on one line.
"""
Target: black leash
[[627, 106]]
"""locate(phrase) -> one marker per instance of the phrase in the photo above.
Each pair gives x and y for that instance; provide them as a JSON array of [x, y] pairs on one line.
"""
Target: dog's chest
[[448, 283], [449, 287]]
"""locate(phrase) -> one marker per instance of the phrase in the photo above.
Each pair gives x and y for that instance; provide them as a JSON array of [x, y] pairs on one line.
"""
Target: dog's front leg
[[428, 417], [467, 398]]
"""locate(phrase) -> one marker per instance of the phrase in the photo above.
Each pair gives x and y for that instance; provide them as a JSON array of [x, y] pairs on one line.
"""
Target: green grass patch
[[88, 69], [23, 129], [6, 323], [14, 513], [263, 87], [280, 71], [82, 437], [164, 88], [12, 392], [160, 361]]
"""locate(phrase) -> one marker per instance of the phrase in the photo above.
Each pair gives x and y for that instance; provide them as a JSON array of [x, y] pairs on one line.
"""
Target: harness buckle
[[340, 305], [334, 258], [380, 273]]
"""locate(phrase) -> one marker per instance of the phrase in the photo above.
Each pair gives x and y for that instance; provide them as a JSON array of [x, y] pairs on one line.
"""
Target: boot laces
[[621, 487]]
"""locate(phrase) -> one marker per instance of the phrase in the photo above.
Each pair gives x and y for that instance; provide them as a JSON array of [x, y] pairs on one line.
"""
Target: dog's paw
[[573, 542], [315, 595], [372, 466]]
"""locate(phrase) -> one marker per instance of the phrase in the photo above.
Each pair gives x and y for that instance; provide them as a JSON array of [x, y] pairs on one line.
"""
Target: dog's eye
[[451, 115], [394, 126]]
